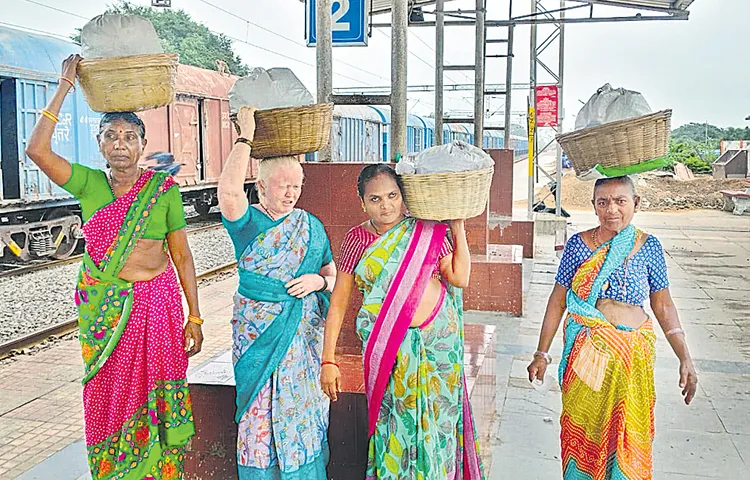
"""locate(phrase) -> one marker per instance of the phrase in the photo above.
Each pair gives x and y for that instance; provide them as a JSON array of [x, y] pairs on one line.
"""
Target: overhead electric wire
[[212, 31], [57, 9], [290, 40]]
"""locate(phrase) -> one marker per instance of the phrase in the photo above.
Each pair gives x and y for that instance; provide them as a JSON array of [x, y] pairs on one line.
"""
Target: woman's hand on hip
[[304, 285], [537, 368], [688, 380], [193, 338], [330, 381]]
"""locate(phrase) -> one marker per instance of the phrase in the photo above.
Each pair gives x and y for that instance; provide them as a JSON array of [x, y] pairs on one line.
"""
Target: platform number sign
[[348, 22]]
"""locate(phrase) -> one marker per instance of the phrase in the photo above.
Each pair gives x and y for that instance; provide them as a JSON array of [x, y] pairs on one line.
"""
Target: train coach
[[39, 219], [362, 134]]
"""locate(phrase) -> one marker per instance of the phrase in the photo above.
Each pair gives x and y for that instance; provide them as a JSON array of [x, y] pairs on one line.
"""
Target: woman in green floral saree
[[411, 325]]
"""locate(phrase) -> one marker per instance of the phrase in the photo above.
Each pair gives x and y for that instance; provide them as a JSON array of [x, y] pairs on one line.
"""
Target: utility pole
[[324, 57], [400, 24]]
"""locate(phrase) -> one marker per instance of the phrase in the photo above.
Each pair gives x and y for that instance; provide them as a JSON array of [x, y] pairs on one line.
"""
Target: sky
[[700, 68]]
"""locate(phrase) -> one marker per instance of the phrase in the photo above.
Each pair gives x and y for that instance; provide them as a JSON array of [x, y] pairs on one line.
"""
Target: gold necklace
[[595, 238]]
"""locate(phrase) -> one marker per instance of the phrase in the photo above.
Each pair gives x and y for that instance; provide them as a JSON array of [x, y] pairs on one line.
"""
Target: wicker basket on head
[[447, 196], [619, 144], [292, 130], [128, 84]]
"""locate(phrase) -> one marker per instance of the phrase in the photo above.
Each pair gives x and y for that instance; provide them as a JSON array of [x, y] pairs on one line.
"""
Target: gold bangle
[[50, 115], [195, 320]]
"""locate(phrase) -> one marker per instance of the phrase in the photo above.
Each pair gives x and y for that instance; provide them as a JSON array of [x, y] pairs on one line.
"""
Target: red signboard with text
[[546, 105]]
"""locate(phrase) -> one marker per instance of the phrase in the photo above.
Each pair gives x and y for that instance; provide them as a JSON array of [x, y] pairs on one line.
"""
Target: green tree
[[179, 33], [732, 133], [699, 132], [697, 156], [711, 134]]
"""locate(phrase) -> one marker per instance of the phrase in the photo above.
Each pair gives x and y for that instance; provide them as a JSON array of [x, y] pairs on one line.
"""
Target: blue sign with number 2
[[348, 22]]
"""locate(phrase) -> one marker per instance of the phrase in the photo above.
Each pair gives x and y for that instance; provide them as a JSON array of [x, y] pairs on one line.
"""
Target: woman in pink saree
[[410, 273], [134, 340]]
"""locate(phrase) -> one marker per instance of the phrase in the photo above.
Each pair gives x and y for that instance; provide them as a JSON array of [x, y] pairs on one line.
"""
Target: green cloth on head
[[646, 166]]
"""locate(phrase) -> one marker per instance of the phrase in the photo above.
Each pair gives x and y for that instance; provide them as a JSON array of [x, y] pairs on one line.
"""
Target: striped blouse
[[358, 239]]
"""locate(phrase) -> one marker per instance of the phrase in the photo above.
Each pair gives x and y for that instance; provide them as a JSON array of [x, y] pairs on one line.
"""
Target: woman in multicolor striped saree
[[607, 367], [285, 272], [411, 325], [135, 341]]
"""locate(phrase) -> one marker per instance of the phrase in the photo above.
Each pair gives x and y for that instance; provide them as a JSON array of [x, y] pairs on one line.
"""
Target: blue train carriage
[[362, 134], [37, 218], [356, 135], [415, 132]]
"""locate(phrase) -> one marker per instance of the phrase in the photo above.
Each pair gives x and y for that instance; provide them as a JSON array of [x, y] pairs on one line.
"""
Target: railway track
[[69, 326], [13, 270]]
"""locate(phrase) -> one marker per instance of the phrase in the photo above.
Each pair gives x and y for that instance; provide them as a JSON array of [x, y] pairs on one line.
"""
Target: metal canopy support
[[479, 64], [490, 89], [481, 89], [324, 58], [439, 69], [540, 16], [508, 86], [532, 102], [560, 112], [361, 99], [542, 21], [555, 72], [398, 78]]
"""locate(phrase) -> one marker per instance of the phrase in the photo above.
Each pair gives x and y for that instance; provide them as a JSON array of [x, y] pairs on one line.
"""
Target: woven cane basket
[[292, 130], [128, 84], [447, 196], [619, 144]]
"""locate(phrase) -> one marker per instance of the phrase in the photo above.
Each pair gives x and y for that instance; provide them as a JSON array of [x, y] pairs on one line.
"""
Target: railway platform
[[708, 253]]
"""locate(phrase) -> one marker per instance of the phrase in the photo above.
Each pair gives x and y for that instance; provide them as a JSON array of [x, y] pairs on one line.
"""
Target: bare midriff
[[147, 261], [619, 313], [427, 304]]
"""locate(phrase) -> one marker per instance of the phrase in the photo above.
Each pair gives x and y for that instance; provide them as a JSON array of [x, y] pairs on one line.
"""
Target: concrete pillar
[[400, 23], [479, 49], [324, 57], [439, 73]]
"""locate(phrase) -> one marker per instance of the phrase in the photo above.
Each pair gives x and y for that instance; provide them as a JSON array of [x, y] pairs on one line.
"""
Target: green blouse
[[92, 190]]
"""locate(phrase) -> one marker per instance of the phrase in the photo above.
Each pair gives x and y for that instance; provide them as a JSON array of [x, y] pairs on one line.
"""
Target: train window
[[418, 139]]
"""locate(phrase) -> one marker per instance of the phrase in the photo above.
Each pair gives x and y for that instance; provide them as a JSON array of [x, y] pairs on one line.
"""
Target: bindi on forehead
[[120, 129]]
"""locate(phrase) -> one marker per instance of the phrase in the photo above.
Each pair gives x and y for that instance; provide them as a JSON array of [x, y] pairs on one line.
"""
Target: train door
[[372, 137], [9, 186], [184, 119], [216, 137]]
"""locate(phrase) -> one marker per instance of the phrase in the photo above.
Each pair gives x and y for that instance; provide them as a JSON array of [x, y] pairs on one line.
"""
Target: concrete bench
[[736, 201], [212, 451]]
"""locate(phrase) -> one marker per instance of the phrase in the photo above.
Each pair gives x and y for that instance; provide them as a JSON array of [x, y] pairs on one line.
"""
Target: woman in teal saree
[[411, 325], [285, 269]]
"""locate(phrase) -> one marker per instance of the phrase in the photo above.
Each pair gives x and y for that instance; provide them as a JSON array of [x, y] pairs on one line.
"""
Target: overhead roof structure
[[384, 6], [669, 6]]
